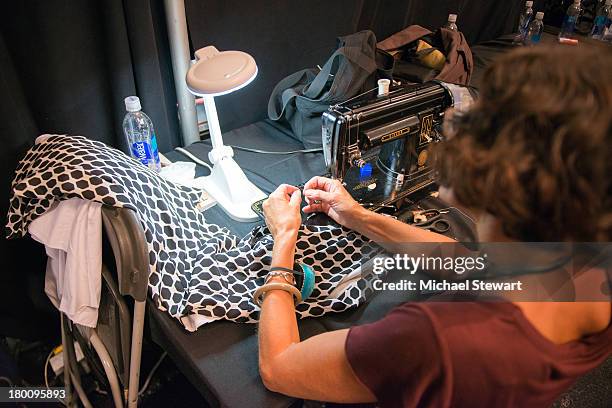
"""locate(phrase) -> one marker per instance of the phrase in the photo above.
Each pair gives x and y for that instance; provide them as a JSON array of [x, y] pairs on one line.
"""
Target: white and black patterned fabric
[[200, 272]]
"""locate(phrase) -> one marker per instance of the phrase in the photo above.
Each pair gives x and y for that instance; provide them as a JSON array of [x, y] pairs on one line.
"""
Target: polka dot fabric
[[199, 272]]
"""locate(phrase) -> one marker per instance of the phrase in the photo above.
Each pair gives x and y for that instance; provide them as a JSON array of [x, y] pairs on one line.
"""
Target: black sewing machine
[[378, 145]]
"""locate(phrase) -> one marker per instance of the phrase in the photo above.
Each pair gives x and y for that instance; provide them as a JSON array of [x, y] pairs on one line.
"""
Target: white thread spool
[[383, 87]]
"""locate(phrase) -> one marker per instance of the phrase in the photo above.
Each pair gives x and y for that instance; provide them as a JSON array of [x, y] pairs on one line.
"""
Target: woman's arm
[[391, 233], [316, 368]]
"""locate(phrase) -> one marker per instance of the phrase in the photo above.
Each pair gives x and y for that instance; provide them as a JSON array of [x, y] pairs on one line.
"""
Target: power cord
[[251, 150], [47, 368], [7, 381], [192, 157], [51, 353], [248, 149], [203, 163], [150, 376]]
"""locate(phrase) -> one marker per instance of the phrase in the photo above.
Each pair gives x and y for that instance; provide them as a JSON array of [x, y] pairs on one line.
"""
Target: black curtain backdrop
[[285, 36], [65, 67]]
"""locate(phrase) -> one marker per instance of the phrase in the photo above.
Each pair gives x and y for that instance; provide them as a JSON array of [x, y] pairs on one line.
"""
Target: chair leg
[[109, 368], [79, 389], [136, 353], [70, 361], [70, 401]]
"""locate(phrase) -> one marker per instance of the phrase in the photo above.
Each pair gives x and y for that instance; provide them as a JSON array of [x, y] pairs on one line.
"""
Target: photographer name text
[[433, 285]]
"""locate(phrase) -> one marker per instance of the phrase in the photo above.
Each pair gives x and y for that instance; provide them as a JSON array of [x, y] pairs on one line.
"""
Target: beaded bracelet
[[262, 290]]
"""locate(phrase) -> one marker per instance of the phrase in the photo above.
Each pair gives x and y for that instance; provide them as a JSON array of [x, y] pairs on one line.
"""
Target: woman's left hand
[[282, 211]]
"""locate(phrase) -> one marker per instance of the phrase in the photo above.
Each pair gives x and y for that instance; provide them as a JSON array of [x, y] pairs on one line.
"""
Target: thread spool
[[383, 87]]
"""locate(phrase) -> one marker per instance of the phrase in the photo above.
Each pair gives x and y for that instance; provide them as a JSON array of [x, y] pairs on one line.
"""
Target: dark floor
[[23, 362]]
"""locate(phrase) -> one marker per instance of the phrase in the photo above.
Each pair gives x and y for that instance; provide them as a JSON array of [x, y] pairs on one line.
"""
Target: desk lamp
[[217, 73]]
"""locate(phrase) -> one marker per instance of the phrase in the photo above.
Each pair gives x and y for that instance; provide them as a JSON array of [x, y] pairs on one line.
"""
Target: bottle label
[[154, 148], [142, 152]]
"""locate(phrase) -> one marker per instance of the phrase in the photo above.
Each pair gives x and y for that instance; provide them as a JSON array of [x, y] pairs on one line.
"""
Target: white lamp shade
[[220, 72]]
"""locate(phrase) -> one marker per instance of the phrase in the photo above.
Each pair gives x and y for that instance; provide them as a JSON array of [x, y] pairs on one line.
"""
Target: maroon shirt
[[467, 354]]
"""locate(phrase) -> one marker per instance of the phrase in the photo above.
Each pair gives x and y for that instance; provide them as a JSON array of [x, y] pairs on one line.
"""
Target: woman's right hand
[[330, 197]]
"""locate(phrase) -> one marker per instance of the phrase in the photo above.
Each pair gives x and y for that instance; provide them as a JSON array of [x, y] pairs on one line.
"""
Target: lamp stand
[[227, 182]]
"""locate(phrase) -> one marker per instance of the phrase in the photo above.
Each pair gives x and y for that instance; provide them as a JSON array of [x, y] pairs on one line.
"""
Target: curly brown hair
[[536, 150]]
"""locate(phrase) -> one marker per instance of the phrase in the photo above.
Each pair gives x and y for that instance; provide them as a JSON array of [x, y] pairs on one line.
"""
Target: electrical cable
[[248, 149], [150, 376], [47, 368], [7, 380], [251, 150], [192, 157], [47, 376], [203, 163]]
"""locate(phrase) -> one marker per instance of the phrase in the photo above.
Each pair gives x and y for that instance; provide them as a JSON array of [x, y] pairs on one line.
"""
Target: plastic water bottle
[[140, 134], [569, 22], [525, 19], [452, 22], [602, 21], [534, 31]]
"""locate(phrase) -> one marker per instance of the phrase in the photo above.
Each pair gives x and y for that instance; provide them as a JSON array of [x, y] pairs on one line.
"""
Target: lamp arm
[[219, 150]]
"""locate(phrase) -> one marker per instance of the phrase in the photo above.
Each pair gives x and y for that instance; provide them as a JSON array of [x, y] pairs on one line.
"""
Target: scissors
[[431, 220]]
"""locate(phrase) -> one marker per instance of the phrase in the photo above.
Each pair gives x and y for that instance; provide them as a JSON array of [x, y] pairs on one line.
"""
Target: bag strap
[[313, 91], [350, 50], [285, 89]]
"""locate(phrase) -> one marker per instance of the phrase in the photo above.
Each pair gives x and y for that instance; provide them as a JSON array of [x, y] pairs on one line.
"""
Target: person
[[531, 162]]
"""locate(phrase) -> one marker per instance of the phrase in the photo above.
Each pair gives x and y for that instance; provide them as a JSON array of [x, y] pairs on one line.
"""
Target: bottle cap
[[540, 15], [452, 18], [576, 1], [132, 104], [529, 3]]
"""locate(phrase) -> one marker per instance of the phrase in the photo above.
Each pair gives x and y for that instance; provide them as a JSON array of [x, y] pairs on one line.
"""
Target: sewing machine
[[378, 146]]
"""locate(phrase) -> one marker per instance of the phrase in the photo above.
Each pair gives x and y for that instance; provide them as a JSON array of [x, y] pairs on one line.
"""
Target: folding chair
[[116, 342]]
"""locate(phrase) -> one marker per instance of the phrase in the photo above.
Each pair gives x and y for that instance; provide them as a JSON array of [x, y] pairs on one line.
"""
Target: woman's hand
[[282, 212], [330, 197]]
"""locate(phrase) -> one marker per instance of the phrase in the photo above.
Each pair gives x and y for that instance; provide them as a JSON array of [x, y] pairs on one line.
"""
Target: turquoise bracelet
[[309, 281], [308, 278]]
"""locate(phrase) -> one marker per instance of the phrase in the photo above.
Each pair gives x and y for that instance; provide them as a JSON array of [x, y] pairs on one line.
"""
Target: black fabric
[[285, 37], [65, 67]]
